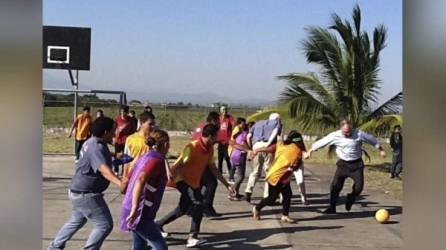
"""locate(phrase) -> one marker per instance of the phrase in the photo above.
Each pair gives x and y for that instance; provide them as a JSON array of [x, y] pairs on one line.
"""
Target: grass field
[[170, 118], [376, 177]]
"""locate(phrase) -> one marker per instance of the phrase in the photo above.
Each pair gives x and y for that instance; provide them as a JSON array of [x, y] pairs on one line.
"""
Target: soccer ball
[[382, 215]]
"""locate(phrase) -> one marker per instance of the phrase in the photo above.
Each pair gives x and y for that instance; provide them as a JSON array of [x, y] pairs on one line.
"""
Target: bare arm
[[220, 177], [72, 128], [109, 175]]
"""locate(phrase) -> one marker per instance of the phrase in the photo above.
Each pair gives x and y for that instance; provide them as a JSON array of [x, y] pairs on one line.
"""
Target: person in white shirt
[[348, 143]]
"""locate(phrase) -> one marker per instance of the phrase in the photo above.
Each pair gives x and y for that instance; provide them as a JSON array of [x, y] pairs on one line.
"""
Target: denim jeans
[[146, 235], [86, 207]]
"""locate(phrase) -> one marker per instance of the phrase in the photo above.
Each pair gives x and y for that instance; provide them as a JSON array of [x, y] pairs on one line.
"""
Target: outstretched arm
[[220, 177], [327, 140], [370, 139]]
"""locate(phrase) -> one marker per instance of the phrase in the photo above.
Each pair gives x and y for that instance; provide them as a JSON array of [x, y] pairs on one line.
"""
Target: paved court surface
[[236, 229]]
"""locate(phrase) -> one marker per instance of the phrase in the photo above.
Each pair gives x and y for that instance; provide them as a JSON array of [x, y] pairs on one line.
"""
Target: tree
[[347, 85]]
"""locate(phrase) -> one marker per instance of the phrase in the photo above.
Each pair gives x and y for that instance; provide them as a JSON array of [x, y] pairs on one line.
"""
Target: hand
[[307, 155], [132, 216], [231, 190], [69, 135], [382, 153]]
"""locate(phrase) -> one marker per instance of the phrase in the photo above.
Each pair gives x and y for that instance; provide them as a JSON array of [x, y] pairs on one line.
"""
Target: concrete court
[[236, 229]]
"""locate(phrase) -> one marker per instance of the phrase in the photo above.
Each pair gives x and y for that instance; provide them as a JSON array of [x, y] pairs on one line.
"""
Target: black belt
[[82, 192]]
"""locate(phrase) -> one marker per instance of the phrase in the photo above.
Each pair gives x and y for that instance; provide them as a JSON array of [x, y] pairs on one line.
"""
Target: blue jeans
[[148, 235], [86, 207]]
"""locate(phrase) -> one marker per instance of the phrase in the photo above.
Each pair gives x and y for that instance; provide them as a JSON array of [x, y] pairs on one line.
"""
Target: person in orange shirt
[[187, 171], [82, 125], [288, 155]]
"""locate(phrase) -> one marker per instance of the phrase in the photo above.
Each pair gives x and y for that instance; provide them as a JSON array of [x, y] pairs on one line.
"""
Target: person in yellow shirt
[[136, 144], [288, 155], [82, 125]]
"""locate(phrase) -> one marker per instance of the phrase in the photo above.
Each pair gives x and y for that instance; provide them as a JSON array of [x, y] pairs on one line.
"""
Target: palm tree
[[348, 83]]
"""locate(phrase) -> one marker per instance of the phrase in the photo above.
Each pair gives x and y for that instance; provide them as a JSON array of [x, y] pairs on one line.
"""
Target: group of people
[[195, 175]]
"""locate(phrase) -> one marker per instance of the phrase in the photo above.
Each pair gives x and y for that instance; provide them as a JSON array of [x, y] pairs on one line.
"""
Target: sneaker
[[255, 213], [349, 202], [193, 242], [329, 210], [287, 219], [163, 233], [305, 202], [211, 213], [248, 197]]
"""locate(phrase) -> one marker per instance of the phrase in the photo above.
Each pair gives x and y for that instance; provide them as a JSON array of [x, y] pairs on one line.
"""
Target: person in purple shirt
[[238, 153], [145, 191]]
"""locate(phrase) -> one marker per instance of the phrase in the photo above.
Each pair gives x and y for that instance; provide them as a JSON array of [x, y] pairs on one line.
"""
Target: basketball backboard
[[66, 47]]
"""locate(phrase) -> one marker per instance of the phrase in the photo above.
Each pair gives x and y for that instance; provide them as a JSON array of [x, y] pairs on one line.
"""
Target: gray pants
[[261, 162], [86, 207], [397, 163]]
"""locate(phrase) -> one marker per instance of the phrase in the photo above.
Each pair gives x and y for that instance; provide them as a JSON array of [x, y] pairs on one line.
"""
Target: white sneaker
[[164, 234], [193, 242]]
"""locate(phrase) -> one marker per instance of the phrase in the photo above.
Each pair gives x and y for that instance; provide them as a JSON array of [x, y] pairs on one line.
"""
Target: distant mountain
[[162, 96]]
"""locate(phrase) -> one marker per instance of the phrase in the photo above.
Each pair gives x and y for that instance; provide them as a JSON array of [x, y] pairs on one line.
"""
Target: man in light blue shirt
[[263, 134], [348, 143]]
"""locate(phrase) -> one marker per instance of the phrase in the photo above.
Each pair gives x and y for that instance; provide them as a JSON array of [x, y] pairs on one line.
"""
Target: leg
[[220, 150], [182, 208], [358, 184], [240, 173], [286, 194], [99, 215], [210, 187], [336, 185], [77, 147], [257, 163], [393, 166], [139, 243], [272, 196], [398, 168], [299, 175], [151, 235], [268, 159], [197, 211], [228, 161], [76, 222]]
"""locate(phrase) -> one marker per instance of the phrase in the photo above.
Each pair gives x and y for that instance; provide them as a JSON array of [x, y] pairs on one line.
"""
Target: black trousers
[[353, 169], [223, 155], [77, 147], [191, 202], [208, 188], [273, 193], [239, 172]]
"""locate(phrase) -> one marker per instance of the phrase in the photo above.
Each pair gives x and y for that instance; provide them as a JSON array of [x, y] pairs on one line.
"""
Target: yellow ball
[[382, 216]]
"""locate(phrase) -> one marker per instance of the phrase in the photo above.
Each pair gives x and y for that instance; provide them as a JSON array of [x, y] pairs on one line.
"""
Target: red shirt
[[226, 124], [124, 128]]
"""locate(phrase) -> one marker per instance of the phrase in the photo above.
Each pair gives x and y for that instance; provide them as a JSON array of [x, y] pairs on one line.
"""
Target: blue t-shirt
[[261, 131], [87, 177]]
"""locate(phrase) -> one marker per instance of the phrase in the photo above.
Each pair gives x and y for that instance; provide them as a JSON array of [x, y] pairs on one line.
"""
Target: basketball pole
[[75, 83]]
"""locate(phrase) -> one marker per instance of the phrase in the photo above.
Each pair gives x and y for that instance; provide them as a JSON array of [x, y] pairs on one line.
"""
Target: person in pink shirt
[[224, 136]]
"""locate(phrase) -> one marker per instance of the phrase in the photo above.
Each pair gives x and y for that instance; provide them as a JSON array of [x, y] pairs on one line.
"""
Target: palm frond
[[382, 124], [392, 106]]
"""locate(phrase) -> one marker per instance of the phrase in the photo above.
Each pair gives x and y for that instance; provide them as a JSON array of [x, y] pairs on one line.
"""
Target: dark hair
[[293, 137], [251, 123], [101, 125], [144, 116], [240, 120], [157, 138], [209, 130], [86, 108], [125, 108], [213, 116], [396, 126], [132, 112], [100, 111], [148, 108]]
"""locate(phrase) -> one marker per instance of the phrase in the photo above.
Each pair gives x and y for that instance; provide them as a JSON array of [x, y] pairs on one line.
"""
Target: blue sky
[[229, 48]]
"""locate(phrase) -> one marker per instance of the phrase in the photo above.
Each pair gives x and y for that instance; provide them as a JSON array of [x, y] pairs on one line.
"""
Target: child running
[[288, 154], [145, 192]]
